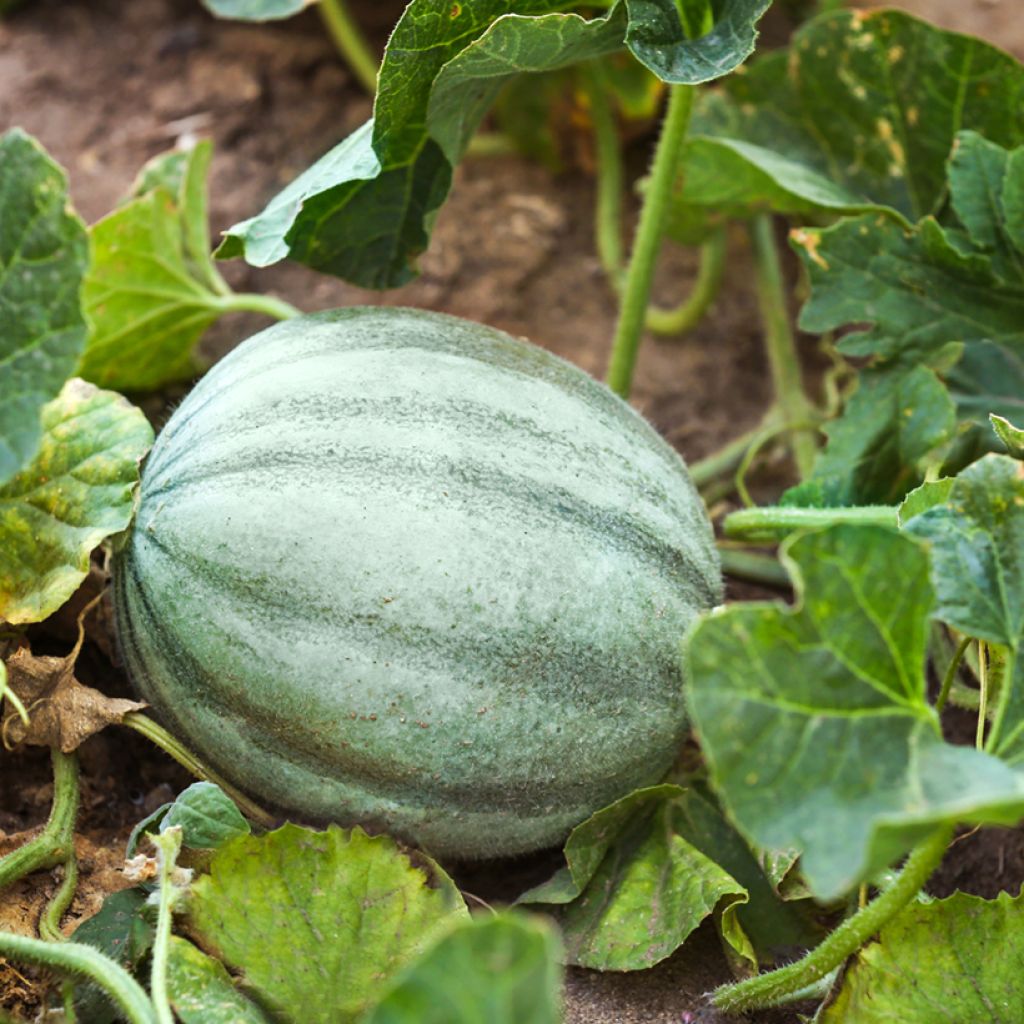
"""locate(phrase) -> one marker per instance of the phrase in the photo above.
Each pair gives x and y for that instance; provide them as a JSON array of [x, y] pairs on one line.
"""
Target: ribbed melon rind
[[398, 568]]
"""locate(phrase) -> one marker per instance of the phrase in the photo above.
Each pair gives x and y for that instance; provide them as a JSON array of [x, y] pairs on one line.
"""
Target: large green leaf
[[633, 888], [207, 817], [201, 990], [78, 490], [860, 111], [693, 41], [946, 962], [879, 448], [152, 290], [44, 252], [975, 528], [365, 210], [1011, 436], [256, 10], [502, 969], [943, 300], [815, 720], [317, 922], [119, 929]]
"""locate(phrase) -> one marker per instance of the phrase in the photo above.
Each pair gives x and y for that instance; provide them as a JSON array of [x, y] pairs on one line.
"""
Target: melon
[[394, 568]]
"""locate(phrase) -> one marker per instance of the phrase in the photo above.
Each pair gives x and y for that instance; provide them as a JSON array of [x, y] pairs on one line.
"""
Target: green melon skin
[[397, 568]]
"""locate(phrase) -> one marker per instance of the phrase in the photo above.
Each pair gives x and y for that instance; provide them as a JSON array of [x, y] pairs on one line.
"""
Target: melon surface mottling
[[396, 568]]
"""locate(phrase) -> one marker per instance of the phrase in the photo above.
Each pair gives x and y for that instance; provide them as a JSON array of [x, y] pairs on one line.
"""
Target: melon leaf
[[633, 888], [152, 290], [78, 490], [954, 959], [207, 817], [975, 527], [201, 990], [1011, 436], [502, 968], [44, 251], [121, 931], [443, 68], [815, 720], [859, 113], [256, 10], [944, 300], [317, 922]]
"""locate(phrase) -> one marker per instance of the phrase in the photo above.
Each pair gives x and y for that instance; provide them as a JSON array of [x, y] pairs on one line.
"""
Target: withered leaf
[[62, 711]]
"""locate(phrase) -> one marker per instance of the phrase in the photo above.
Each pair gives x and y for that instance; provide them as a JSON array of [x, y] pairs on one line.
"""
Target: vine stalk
[[775, 522], [779, 342], [778, 986], [160, 737], [646, 245], [56, 843], [350, 41], [84, 962]]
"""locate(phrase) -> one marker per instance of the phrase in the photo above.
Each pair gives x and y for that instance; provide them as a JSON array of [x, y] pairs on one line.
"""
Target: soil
[[106, 85]]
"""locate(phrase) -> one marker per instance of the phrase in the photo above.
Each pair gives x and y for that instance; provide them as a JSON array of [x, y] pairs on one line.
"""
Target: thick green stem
[[951, 671], [767, 435], [778, 986], [639, 277], [351, 42], [779, 342], [49, 921], [775, 522], [608, 211], [85, 962], [250, 302], [979, 735], [488, 144], [159, 736], [727, 458], [691, 311], [753, 567], [56, 843], [6, 693], [168, 845]]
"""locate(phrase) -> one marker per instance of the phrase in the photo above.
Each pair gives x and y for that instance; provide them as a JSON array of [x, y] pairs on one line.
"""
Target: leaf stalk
[[776, 522], [779, 986], [56, 843], [646, 245], [780, 344], [83, 961], [351, 42], [160, 737]]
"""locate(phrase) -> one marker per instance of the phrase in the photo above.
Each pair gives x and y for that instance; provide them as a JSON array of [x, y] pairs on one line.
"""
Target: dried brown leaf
[[62, 711]]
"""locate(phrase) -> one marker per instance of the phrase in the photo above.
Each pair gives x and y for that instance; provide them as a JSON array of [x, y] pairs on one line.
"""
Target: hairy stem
[[640, 275], [49, 921], [159, 736], [753, 567], [250, 302], [779, 342], [56, 843], [776, 522], [692, 309], [776, 986], [85, 962], [168, 846], [951, 671], [6, 693], [488, 144], [979, 736], [351, 42], [728, 457], [608, 211]]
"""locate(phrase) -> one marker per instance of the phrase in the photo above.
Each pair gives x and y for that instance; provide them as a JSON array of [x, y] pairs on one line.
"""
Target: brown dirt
[[105, 85]]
